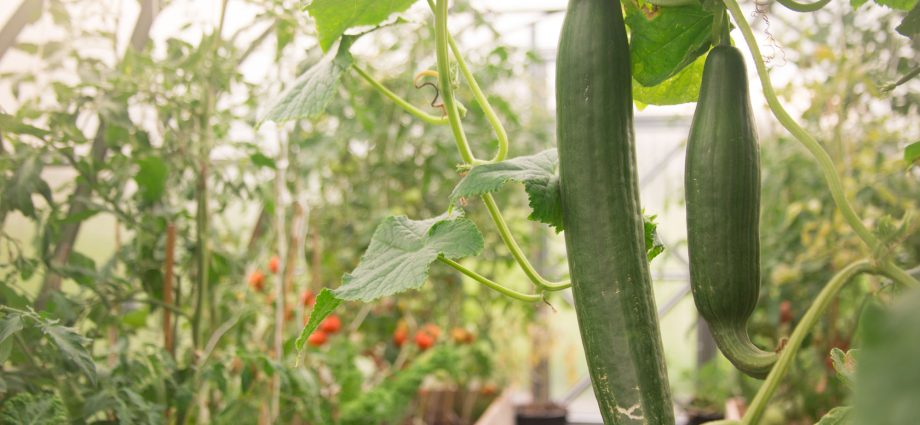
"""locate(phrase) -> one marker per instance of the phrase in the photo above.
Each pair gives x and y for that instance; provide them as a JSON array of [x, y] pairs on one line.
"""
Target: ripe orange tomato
[[400, 335], [331, 324], [256, 280], [424, 340], [274, 264], [317, 338]]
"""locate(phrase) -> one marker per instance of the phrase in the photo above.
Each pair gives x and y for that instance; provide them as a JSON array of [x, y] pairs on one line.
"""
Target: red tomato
[[256, 280], [424, 340], [307, 298], [331, 324], [433, 330], [274, 264], [317, 338], [400, 335]]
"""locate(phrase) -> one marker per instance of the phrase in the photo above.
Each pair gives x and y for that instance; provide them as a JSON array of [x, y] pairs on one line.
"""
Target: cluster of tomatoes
[[328, 326], [428, 334], [257, 278]]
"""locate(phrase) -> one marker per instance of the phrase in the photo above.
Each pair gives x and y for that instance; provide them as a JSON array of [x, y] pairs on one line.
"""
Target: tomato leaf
[[18, 190], [334, 17], [151, 178], [309, 95], [537, 172], [401, 251], [665, 40], [897, 4], [72, 347]]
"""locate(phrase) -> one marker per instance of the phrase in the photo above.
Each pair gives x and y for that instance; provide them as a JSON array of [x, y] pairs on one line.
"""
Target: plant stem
[[453, 117], [483, 102], [516, 250], [402, 103], [759, 403], [520, 296], [803, 7], [824, 160], [480, 97], [450, 104], [895, 273]]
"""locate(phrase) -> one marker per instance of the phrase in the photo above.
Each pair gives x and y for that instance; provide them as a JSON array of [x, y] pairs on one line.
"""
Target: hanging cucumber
[[603, 221], [722, 184]]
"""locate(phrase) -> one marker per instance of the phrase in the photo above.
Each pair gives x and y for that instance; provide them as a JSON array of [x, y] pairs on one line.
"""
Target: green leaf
[[912, 153], [857, 3], [537, 172], [151, 178], [309, 95], [664, 41], [888, 375], [839, 415], [390, 401], [72, 346], [897, 4], [653, 245], [401, 251], [845, 365], [334, 17], [9, 326], [683, 87], [326, 303], [261, 160], [32, 409], [910, 25], [17, 193], [11, 124]]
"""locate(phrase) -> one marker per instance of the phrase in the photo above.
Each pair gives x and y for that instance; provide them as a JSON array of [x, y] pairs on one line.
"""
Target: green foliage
[[401, 252], [888, 375], [682, 87], [537, 172], [312, 92], [389, 402], [837, 416], [326, 303], [33, 409], [912, 153], [845, 365], [25, 181], [333, 17], [665, 40]]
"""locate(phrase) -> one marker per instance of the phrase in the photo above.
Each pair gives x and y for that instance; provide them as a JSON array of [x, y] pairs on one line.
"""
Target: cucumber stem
[[759, 403], [736, 345], [447, 92], [520, 296], [402, 103]]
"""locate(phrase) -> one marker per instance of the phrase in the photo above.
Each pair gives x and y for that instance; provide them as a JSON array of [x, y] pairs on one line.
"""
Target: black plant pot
[[540, 414], [698, 418]]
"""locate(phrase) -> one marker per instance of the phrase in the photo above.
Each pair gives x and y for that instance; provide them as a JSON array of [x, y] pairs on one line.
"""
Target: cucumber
[[722, 184], [603, 222]]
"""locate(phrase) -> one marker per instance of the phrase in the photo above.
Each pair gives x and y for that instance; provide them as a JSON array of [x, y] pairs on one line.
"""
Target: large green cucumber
[[722, 184], [603, 221]]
